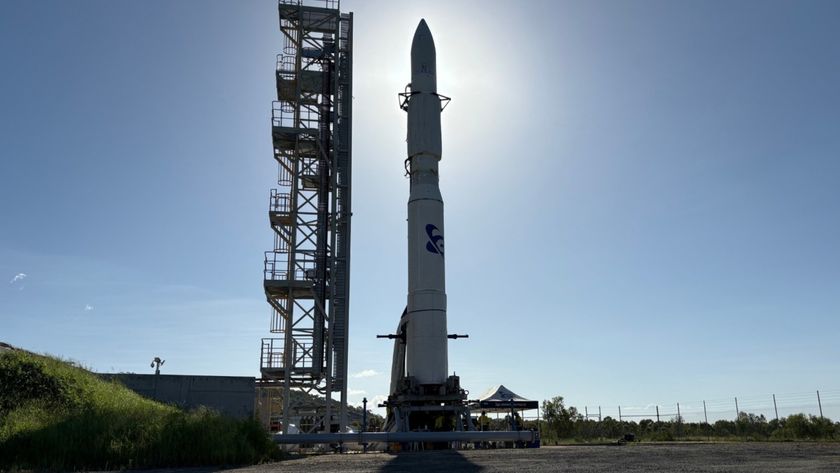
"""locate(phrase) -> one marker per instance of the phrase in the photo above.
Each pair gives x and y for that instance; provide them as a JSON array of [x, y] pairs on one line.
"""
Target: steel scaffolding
[[306, 274]]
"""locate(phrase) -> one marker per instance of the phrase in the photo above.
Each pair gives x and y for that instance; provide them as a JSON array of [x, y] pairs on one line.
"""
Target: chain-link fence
[[822, 403]]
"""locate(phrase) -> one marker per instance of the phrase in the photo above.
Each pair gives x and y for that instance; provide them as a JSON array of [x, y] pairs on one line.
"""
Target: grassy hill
[[58, 416]]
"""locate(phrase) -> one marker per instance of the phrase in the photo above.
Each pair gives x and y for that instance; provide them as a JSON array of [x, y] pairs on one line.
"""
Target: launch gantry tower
[[307, 273]]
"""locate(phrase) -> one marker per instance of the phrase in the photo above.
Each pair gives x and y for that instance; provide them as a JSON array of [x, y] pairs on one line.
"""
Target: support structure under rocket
[[422, 393]]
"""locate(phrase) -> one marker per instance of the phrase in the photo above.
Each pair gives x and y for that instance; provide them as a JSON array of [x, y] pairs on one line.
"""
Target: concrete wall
[[230, 395]]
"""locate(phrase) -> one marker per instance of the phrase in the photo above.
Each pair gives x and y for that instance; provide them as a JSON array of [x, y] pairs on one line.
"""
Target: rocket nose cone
[[422, 53], [422, 38], [422, 28]]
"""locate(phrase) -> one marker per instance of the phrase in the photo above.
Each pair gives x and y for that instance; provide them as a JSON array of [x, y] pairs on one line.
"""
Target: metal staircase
[[306, 274]]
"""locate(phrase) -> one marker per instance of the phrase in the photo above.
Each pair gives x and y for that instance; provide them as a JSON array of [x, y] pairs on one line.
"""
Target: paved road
[[670, 457]]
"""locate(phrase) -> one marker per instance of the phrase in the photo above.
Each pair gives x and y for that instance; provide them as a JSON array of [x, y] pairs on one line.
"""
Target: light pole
[[156, 364]]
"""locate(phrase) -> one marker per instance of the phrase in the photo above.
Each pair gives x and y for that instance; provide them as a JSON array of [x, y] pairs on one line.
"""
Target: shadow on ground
[[430, 461]]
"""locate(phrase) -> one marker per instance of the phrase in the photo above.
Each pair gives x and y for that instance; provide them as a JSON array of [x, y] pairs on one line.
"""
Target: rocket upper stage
[[424, 103], [423, 67]]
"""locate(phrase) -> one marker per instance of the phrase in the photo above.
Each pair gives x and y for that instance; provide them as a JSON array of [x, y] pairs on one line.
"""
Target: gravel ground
[[670, 457]]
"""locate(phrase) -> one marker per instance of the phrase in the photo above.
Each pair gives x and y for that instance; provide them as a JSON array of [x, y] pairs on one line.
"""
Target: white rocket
[[426, 356]]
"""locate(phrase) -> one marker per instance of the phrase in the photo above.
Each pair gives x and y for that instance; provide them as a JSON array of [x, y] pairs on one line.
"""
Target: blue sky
[[642, 199]]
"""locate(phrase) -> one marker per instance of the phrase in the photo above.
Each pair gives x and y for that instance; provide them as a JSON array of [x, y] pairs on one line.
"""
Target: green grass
[[57, 416]]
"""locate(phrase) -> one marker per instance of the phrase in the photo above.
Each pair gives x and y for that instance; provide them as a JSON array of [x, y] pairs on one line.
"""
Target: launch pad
[[438, 408]]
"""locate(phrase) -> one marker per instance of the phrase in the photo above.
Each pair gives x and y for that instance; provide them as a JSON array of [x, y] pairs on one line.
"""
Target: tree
[[561, 420]]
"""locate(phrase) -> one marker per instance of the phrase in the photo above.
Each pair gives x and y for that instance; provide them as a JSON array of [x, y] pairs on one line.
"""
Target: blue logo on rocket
[[435, 243]]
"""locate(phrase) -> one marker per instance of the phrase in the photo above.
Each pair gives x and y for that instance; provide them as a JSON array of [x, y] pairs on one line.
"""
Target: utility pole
[[619, 413], [657, 413], [775, 408], [705, 415], [737, 411], [679, 421], [819, 403]]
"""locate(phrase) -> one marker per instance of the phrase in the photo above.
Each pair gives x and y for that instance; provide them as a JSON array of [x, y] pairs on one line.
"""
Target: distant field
[[670, 457]]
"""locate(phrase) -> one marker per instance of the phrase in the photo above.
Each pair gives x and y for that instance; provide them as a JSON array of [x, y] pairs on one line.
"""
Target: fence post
[[619, 413], [705, 415], [737, 411], [775, 408], [657, 413], [819, 403]]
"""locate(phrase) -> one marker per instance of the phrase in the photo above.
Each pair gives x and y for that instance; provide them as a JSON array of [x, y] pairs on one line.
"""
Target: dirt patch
[[668, 457]]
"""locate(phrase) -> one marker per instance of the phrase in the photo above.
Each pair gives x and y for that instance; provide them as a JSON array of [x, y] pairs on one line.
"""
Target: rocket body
[[425, 326]]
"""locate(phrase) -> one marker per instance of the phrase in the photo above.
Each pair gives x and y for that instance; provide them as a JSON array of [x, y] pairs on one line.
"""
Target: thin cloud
[[366, 374], [18, 277], [355, 392], [88, 307]]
